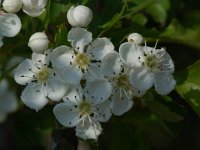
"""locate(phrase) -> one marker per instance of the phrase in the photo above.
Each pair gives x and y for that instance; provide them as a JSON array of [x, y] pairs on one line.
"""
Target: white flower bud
[[34, 8], [12, 6], [38, 42], [136, 38], [79, 16], [10, 24]]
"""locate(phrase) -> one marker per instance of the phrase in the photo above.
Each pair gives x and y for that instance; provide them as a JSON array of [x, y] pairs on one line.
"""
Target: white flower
[[79, 16], [8, 100], [34, 8], [38, 42], [10, 24], [12, 6], [151, 66], [135, 38], [43, 81], [74, 62], [117, 73], [84, 113]]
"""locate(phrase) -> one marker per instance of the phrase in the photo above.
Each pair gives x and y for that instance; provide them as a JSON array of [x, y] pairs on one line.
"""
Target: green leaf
[[158, 10], [160, 110], [188, 85], [140, 19], [61, 35]]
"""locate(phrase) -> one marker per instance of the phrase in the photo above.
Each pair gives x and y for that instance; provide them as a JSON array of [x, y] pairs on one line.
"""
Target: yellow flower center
[[43, 74], [122, 81], [85, 108], [82, 60]]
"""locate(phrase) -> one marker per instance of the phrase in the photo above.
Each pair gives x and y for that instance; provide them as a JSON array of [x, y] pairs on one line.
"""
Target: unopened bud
[[79, 16], [38, 42], [136, 38], [12, 6]]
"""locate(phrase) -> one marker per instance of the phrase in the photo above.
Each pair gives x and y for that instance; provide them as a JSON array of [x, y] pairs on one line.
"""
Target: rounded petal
[[79, 38], [88, 129], [10, 25], [164, 83], [40, 60], [94, 72], [112, 64], [141, 79], [103, 111], [25, 72], [98, 91], [67, 114], [12, 6], [74, 94], [99, 48], [131, 54], [61, 57], [121, 102], [56, 90], [34, 96]]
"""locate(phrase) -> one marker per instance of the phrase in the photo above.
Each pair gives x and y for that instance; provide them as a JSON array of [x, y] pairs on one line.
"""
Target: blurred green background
[[155, 123]]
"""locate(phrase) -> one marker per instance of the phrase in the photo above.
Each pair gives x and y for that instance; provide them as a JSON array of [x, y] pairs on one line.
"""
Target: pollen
[[122, 81], [43, 74], [82, 60]]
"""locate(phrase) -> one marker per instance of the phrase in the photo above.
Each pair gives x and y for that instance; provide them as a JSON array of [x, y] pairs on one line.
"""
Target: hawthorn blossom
[[12, 6], [43, 81], [150, 66], [123, 92], [74, 62], [81, 112], [34, 8], [8, 100]]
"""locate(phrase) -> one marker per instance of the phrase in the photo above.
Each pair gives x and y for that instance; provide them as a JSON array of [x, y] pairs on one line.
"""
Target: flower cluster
[[91, 80]]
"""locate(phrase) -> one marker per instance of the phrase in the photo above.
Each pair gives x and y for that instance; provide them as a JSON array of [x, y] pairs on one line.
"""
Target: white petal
[[121, 102], [34, 96], [40, 60], [103, 111], [62, 56], [10, 25], [98, 90], [99, 48], [94, 72], [62, 59], [67, 114], [56, 90], [112, 64], [164, 83], [89, 129], [79, 38], [74, 94], [131, 54], [141, 78], [25, 72]]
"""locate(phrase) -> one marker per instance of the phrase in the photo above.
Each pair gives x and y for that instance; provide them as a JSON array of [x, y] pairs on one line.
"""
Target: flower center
[[82, 60], [122, 81], [85, 108], [151, 62], [43, 74]]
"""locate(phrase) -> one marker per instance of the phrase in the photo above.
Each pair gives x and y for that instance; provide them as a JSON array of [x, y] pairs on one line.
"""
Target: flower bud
[[136, 38], [12, 6], [38, 42], [10, 24], [34, 8], [79, 16]]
